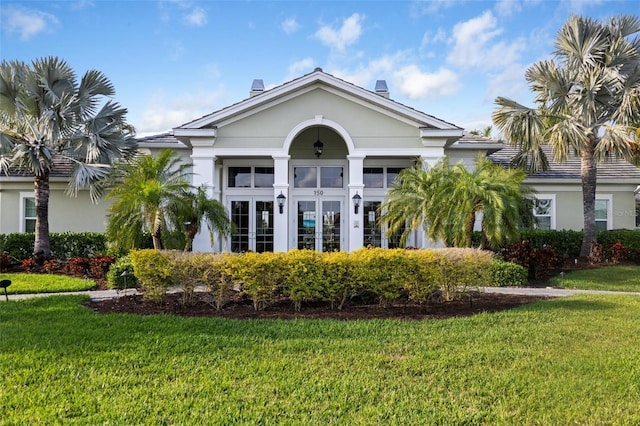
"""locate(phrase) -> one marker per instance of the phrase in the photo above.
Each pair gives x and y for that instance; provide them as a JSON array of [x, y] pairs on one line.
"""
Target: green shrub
[[421, 283], [115, 280], [259, 275], [339, 278], [153, 270], [219, 278], [507, 274], [303, 276], [189, 270]]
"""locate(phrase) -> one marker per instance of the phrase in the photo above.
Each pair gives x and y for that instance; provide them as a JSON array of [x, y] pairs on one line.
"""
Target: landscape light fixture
[[318, 146], [356, 202], [281, 199]]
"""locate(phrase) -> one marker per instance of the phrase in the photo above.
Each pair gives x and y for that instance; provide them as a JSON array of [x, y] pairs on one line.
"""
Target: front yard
[[563, 361]]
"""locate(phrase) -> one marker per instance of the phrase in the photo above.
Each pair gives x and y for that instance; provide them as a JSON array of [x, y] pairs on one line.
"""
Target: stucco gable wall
[[268, 128]]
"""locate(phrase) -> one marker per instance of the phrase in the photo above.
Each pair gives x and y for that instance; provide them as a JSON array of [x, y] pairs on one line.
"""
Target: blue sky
[[175, 60]]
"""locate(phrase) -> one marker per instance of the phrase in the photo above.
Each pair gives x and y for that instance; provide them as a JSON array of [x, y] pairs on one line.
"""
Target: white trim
[[314, 122]]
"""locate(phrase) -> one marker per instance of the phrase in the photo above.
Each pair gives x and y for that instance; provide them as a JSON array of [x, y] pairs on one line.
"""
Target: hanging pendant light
[[318, 146]]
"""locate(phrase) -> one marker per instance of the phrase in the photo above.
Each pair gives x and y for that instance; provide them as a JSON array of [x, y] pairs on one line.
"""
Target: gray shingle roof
[[613, 169]]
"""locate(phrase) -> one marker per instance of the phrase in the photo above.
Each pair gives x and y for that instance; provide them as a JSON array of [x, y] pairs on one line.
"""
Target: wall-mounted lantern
[[356, 202], [281, 199]]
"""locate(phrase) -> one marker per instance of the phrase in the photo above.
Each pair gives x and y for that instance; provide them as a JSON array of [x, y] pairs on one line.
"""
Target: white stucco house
[[307, 164]]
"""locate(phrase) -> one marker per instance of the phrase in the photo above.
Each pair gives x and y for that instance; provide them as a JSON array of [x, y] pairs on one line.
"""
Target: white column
[[281, 186], [355, 222], [205, 174]]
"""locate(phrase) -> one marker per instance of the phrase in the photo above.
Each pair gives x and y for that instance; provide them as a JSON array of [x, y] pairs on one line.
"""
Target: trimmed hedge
[[306, 276], [19, 246]]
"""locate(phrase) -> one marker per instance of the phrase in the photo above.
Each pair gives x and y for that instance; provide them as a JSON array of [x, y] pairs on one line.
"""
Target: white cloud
[[346, 35], [297, 68], [430, 37], [416, 84], [404, 76], [26, 23], [290, 25], [162, 114], [475, 45], [82, 4], [196, 17], [578, 6], [507, 7], [422, 7], [510, 84], [184, 11]]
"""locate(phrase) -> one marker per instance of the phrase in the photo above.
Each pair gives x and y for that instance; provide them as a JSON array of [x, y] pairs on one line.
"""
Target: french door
[[253, 222], [318, 224]]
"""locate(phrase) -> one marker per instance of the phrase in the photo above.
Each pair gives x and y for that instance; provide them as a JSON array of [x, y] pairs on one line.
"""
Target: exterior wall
[[66, 214], [568, 209]]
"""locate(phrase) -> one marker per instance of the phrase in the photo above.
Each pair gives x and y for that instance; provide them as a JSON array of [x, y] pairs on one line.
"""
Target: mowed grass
[[22, 283], [561, 361], [614, 278]]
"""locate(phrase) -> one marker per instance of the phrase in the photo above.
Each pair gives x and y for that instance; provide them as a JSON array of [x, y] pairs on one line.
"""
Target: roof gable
[[317, 79]]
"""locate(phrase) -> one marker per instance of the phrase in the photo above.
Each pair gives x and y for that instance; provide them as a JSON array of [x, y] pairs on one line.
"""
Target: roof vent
[[257, 87], [382, 89]]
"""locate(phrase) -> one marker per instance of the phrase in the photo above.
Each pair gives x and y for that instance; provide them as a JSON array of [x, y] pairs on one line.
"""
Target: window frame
[[609, 199], [552, 213], [23, 213]]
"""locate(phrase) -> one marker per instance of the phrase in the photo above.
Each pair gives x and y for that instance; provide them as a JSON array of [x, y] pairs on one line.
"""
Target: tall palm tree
[[198, 209], [147, 192], [587, 96], [46, 115], [446, 200]]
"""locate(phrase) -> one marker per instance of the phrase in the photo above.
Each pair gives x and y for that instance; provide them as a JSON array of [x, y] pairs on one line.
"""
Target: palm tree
[[587, 99], [446, 200], [199, 208], [148, 192], [46, 115]]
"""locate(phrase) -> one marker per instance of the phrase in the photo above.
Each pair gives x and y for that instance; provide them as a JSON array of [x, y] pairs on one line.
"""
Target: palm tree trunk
[[588, 177], [41, 245]]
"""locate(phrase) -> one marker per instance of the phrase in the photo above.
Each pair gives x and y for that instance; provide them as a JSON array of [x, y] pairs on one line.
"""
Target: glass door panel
[[253, 222], [306, 227], [331, 225], [318, 225], [240, 219], [372, 230], [263, 226]]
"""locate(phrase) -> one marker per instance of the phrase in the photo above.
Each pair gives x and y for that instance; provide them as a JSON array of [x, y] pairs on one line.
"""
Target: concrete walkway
[[527, 291]]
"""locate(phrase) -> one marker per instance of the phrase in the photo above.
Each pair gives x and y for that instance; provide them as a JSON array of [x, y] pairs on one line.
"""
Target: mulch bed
[[243, 309]]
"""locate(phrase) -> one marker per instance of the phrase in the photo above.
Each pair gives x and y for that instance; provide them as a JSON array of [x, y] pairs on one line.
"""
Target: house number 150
[[318, 192]]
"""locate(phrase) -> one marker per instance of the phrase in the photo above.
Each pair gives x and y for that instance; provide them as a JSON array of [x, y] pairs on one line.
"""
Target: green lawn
[[562, 361], [615, 278], [44, 283]]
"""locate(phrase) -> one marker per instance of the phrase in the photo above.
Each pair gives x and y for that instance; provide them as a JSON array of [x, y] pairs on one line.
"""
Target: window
[[307, 177], [29, 214], [543, 212], [602, 214], [331, 177], [392, 175], [263, 177], [250, 177], [373, 177], [372, 229], [239, 177]]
